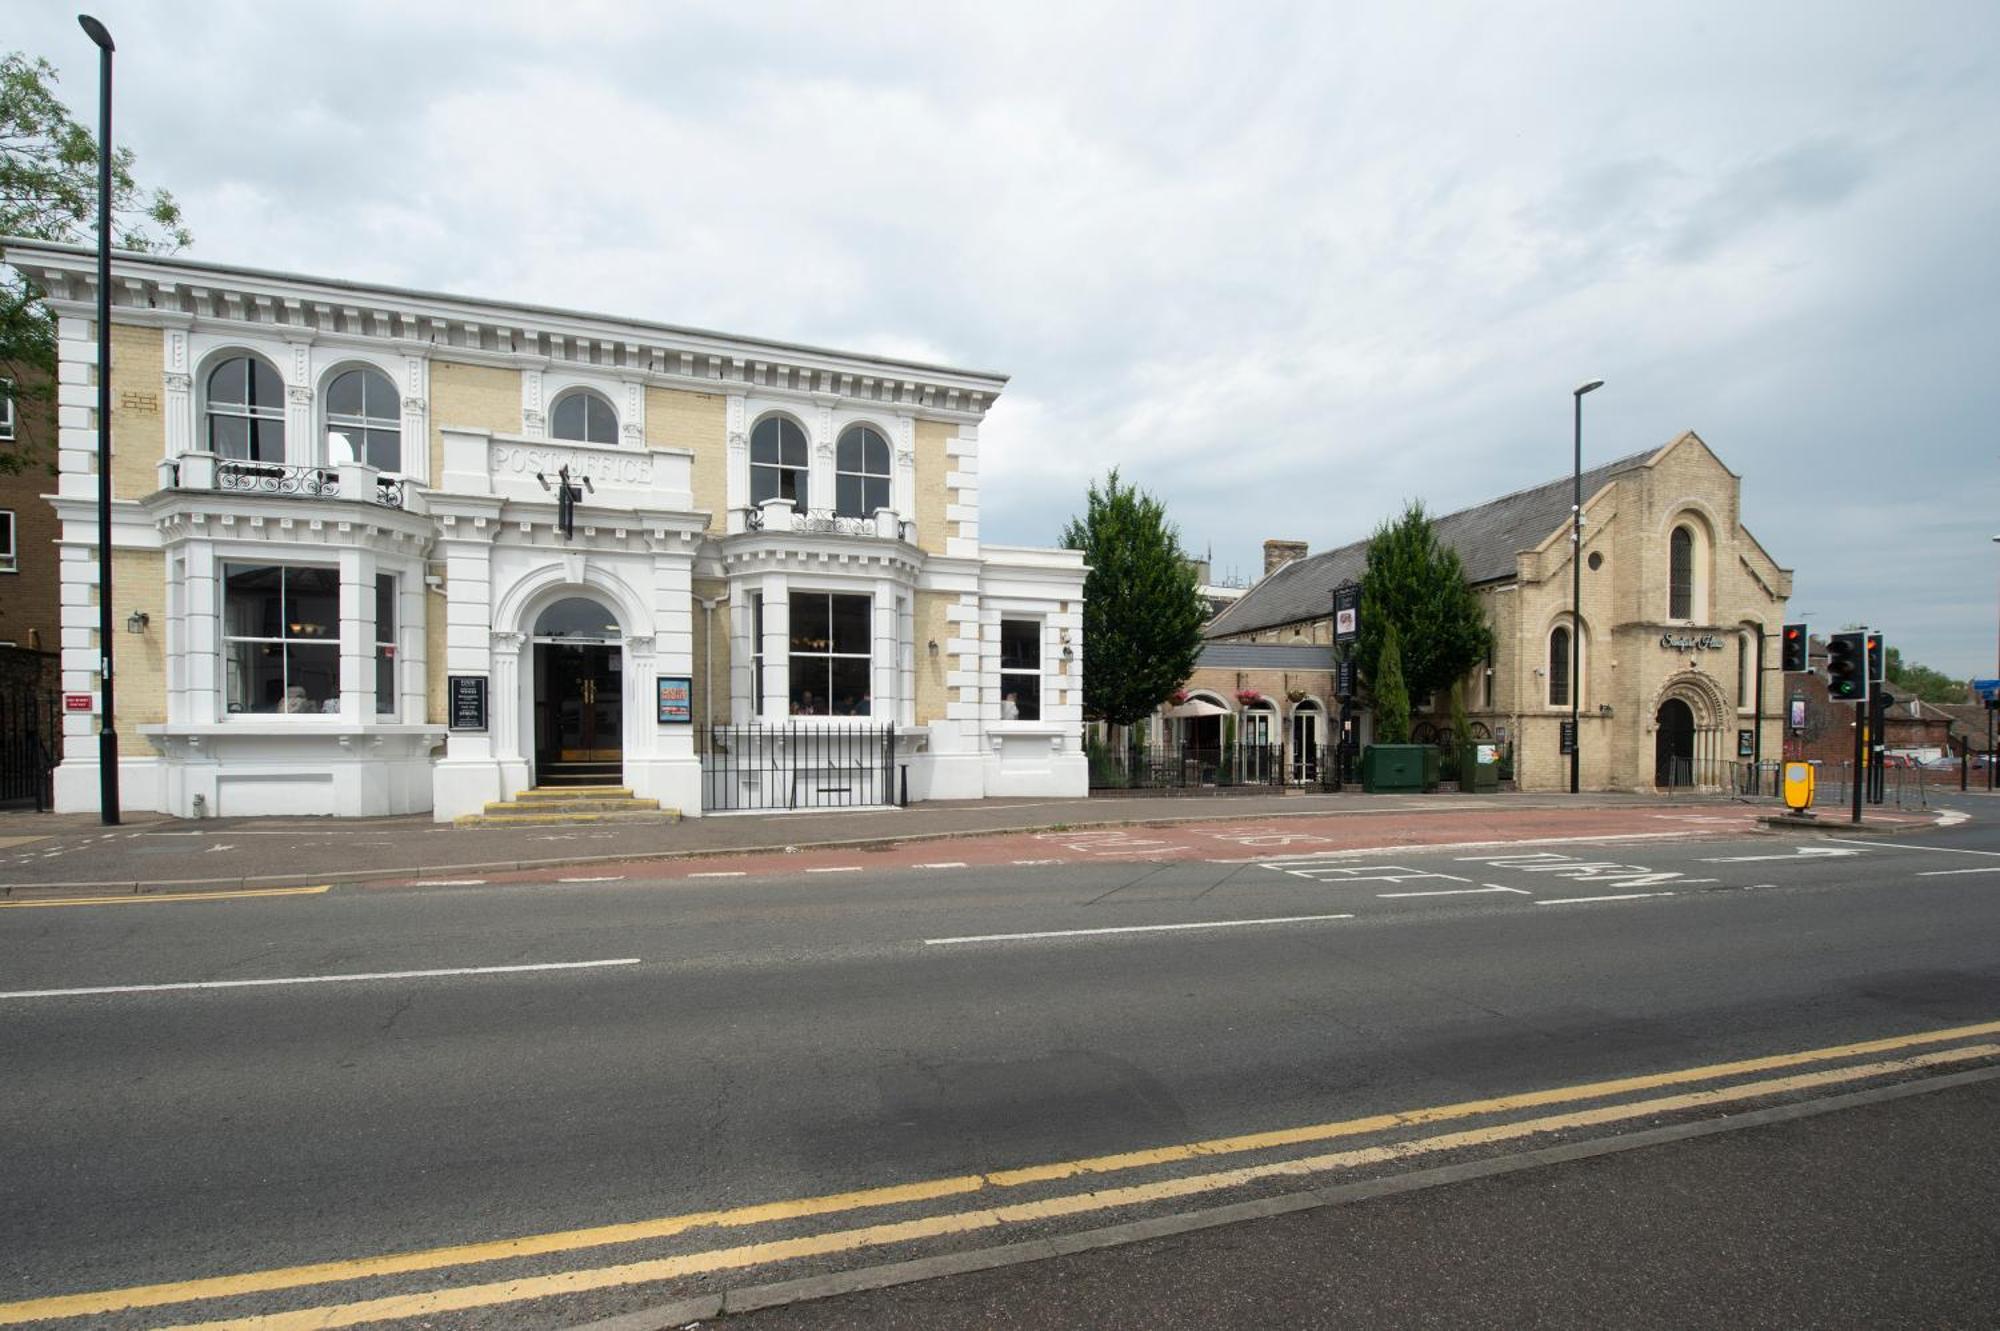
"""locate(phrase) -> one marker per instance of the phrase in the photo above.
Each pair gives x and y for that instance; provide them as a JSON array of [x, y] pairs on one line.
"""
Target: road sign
[[77, 702], [1987, 689]]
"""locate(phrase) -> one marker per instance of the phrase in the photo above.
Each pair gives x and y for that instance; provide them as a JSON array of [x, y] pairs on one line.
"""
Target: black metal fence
[[30, 729], [1245, 768], [774, 768]]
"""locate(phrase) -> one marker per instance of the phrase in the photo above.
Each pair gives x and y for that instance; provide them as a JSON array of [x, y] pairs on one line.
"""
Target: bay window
[[385, 644], [281, 638], [831, 661]]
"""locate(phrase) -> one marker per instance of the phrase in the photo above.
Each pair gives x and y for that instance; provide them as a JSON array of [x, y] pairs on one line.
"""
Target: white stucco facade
[[333, 513]]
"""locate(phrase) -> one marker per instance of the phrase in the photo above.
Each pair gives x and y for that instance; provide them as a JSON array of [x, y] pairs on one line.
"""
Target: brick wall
[[933, 493], [139, 583], [138, 419], [473, 397], [677, 418], [30, 611]]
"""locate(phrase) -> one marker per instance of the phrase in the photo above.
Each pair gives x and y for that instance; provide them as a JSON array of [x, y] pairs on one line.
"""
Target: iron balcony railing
[[275, 478], [881, 525]]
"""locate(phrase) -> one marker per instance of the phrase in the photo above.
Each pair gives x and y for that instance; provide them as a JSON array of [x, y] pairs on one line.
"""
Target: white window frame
[[225, 639], [603, 399], [792, 596], [386, 648], [330, 424], [10, 550], [887, 476], [1039, 672], [206, 409], [6, 411], [802, 502]]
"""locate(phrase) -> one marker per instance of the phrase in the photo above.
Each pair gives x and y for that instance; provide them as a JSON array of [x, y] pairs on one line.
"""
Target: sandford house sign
[[1691, 642]]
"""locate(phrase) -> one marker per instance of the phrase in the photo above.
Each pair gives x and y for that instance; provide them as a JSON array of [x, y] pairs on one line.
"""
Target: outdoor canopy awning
[[1196, 707]]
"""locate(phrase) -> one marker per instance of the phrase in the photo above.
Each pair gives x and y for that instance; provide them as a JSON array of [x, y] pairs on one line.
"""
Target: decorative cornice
[[164, 290]]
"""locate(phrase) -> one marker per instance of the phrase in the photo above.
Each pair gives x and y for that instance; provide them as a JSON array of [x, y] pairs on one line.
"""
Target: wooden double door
[[579, 704]]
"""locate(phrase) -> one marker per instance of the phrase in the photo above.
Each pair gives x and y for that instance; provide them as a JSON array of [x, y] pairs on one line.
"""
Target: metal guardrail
[[305, 482], [763, 767]]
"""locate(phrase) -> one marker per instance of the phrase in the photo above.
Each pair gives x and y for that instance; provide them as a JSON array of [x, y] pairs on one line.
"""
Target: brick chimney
[[1277, 554]]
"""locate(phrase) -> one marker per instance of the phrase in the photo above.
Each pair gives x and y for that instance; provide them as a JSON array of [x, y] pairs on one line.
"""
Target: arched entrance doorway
[[1306, 739], [1673, 744], [579, 695]]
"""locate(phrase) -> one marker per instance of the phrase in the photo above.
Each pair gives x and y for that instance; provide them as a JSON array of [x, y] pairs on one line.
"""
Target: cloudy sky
[[1284, 266]]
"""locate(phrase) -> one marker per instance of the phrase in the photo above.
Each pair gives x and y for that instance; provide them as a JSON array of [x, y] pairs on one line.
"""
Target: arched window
[[1559, 666], [1680, 574], [778, 461], [246, 411], [861, 479], [585, 417], [364, 413], [577, 617], [1746, 668]]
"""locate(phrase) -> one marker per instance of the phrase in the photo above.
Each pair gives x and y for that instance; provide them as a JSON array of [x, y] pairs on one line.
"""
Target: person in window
[[1010, 708], [805, 706], [296, 700]]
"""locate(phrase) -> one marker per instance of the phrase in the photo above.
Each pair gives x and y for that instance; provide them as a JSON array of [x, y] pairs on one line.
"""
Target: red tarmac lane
[[1220, 841]]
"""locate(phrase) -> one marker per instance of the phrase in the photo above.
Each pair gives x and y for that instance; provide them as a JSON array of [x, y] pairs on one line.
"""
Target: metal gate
[[30, 724], [772, 768]]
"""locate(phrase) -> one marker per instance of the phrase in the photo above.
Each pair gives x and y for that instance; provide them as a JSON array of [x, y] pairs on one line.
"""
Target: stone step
[[578, 804], [575, 793], [537, 819]]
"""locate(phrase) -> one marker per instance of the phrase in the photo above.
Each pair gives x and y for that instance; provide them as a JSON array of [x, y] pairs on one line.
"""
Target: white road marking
[[1522, 890], [837, 868], [1942, 873], [944, 864], [603, 878], [318, 979], [447, 882], [1131, 929], [1038, 861], [1574, 901], [1905, 845], [720, 873], [1450, 892], [1797, 853]]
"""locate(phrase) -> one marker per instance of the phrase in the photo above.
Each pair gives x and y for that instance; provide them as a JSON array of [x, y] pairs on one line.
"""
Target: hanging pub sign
[[676, 700], [1346, 612], [467, 696]]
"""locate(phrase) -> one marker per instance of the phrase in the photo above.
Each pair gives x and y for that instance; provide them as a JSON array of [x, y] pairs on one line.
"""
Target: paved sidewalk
[[51, 853], [1871, 1216]]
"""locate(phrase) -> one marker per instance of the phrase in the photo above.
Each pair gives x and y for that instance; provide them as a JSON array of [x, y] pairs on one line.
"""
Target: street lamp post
[[107, 728], [1576, 591]]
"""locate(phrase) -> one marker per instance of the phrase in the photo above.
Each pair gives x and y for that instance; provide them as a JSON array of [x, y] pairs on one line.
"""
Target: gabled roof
[[1486, 537]]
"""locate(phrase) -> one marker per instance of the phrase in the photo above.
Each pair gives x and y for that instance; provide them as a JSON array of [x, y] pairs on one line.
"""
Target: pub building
[[1682, 611], [379, 551]]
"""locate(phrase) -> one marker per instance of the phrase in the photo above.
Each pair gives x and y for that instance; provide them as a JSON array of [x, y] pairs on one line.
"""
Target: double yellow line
[[1916, 1053]]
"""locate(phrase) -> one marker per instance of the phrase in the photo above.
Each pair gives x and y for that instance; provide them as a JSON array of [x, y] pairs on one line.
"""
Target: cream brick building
[[336, 511], [1675, 595]]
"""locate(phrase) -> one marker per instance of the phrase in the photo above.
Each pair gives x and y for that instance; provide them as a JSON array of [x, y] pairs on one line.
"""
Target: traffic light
[[1874, 658], [1793, 654], [1847, 667]]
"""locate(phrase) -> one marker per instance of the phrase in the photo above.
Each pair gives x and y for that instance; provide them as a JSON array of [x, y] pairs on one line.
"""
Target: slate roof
[[1487, 538], [1265, 656]]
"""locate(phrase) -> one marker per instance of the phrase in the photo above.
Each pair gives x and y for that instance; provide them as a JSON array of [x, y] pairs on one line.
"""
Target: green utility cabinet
[[1479, 767], [1388, 769]]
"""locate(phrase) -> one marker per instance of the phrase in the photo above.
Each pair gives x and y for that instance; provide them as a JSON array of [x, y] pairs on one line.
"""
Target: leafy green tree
[[1418, 587], [48, 191], [1461, 727], [1920, 681], [1142, 608], [1392, 697]]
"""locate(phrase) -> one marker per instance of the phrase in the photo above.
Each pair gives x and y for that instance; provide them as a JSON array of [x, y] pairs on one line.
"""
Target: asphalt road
[[741, 1041]]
